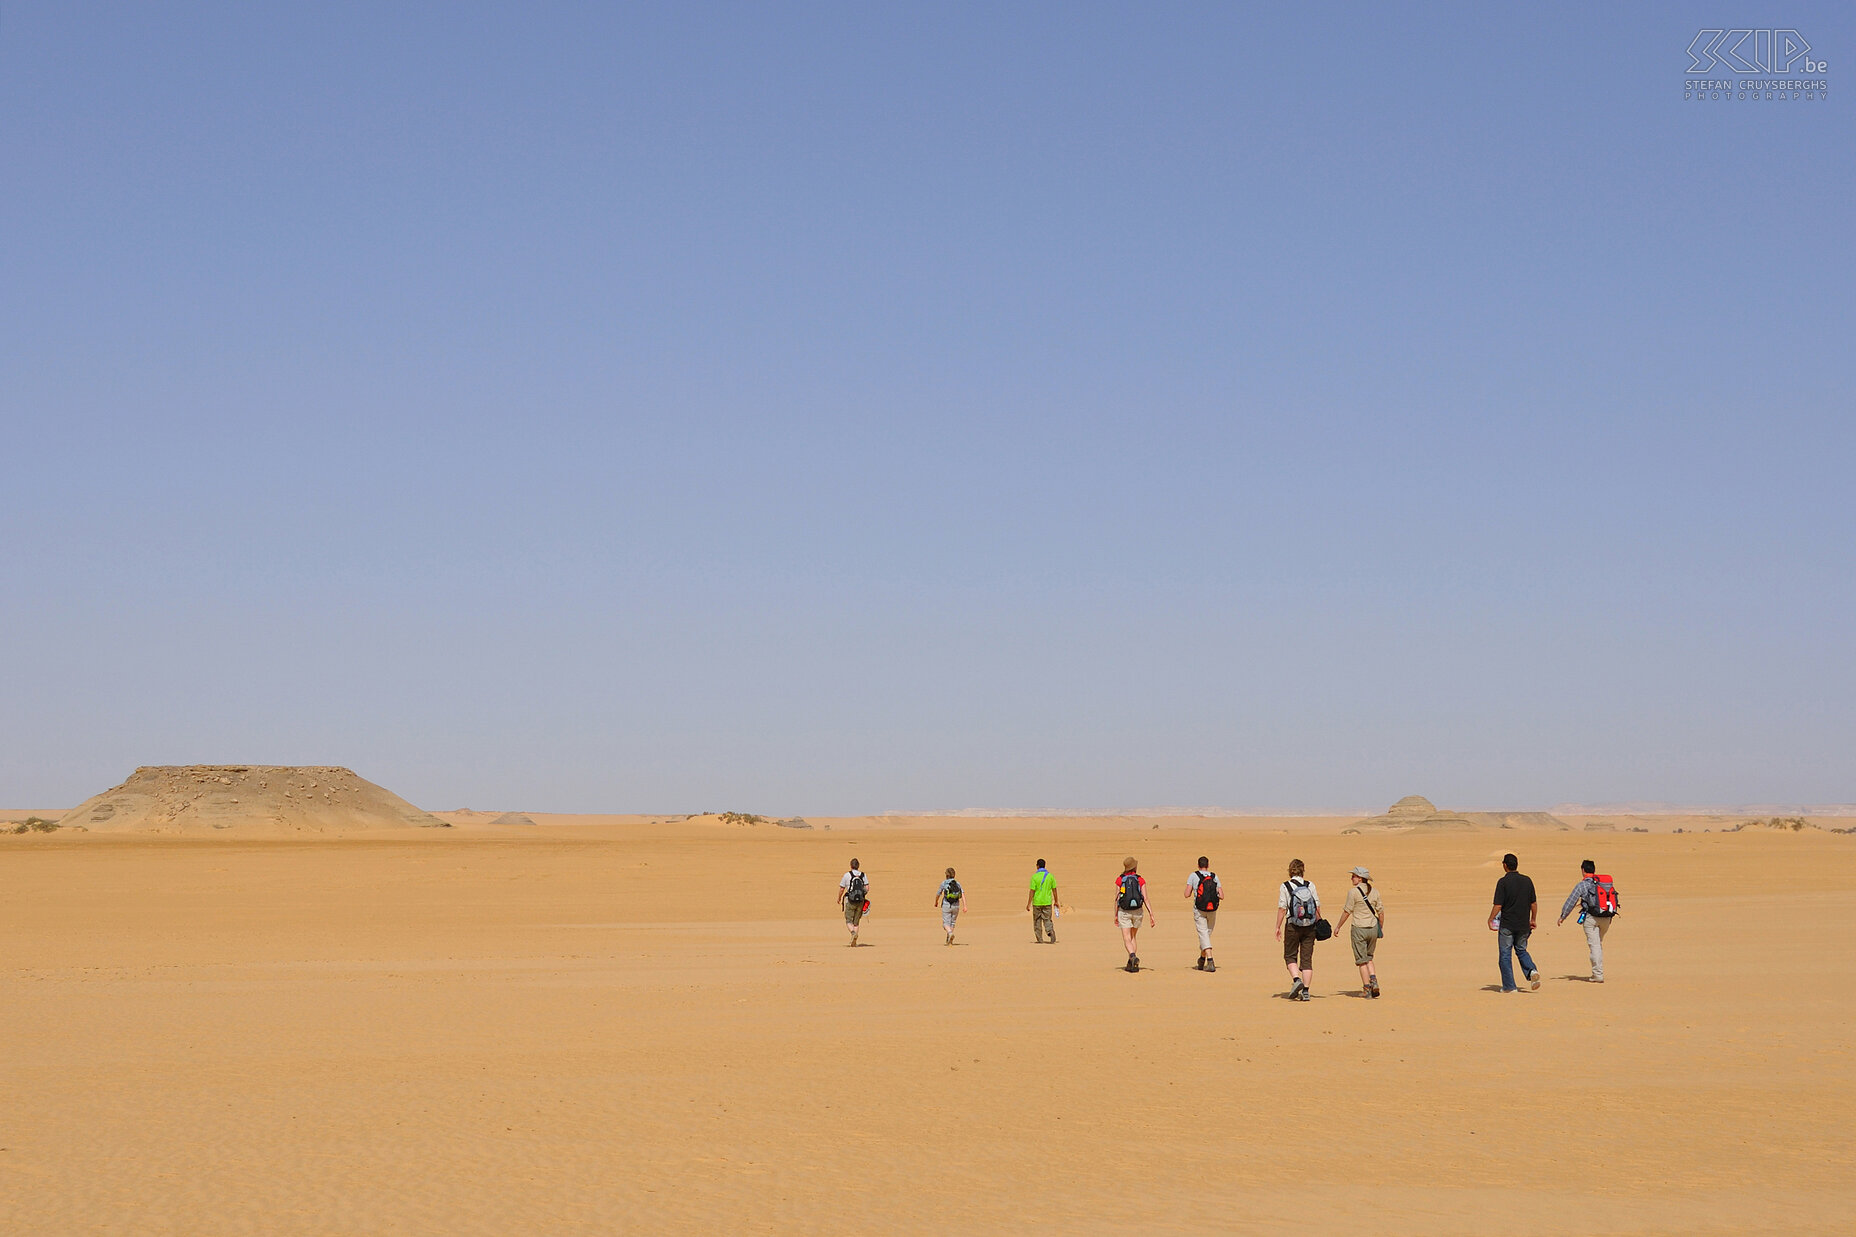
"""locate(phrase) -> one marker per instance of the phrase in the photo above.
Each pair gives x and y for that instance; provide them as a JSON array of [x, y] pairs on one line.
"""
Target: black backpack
[[1132, 899], [855, 894], [1206, 897], [952, 892]]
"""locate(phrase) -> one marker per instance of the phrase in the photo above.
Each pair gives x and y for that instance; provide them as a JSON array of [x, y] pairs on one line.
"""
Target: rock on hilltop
[[276, 798], [1417, 812]]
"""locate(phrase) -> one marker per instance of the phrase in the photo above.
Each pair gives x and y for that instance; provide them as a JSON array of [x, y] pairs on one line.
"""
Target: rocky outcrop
[[258, 798], [1417, 812]]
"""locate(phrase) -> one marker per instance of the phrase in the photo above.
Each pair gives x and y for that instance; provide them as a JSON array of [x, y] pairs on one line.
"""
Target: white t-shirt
[[1282, 893], [1192, 882], [844, 882]]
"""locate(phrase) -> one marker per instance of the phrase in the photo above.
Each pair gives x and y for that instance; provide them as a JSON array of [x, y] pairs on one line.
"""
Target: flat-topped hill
[[275, 798]]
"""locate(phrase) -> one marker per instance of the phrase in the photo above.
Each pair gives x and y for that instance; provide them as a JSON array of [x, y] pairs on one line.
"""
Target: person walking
[[948, 897], [1298, 906], [1514, 916], [1369, 924], [854, 897], [1206, 892], [1596, 896], [1130, 901], [1041, 901]]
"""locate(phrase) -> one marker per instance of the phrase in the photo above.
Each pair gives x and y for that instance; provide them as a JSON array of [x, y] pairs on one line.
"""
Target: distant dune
[[1716, 810], [285, 801]]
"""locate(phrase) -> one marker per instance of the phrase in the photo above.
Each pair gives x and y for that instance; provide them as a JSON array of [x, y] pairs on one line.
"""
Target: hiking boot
[[1133, 964], [1201, 962], [1210, 965], [1533, 980], [1304, 996], [1295, 988]]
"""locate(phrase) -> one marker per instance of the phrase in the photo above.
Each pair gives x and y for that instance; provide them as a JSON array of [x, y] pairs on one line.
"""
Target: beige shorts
[[853, 911], [1130, 919], [1204, 921], [1365, 941]]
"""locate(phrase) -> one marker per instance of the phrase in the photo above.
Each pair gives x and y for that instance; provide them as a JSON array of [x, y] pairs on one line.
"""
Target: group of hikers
[[1513, 916]]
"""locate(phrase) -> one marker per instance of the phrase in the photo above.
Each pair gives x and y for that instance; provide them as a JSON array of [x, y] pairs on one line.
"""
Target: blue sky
[[852, 408]]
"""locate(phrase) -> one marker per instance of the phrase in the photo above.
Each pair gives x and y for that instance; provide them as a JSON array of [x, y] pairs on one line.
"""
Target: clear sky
[[848, 408]]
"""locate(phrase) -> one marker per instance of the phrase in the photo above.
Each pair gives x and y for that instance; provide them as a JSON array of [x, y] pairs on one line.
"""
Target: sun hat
[[1363, 874]]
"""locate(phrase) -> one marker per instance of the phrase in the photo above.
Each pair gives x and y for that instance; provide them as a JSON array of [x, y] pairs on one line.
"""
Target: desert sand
[[654, 1025]]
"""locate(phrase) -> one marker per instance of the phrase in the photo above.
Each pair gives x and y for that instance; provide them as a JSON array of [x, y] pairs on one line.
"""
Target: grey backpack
[[1303, 910]]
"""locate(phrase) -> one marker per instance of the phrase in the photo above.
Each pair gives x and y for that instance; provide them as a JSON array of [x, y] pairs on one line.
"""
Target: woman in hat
[[1368, 913]]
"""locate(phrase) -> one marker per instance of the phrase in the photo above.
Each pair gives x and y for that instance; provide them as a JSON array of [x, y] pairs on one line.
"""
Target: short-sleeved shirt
[[1192, 884], [844, 882], [1282, 892], [945, 889], [1143, 884], [1514, 893], [1044, 888], [1363, 906]]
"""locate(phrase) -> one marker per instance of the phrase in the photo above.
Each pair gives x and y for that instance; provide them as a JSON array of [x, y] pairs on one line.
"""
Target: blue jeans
[[1513, 942]]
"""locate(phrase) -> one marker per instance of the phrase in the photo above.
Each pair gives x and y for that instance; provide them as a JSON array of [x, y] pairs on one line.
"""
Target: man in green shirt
[[1042, 903]]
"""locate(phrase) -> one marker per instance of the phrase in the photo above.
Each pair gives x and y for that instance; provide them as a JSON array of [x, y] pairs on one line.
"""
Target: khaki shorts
[[1365, 940], [853, 911], [1204, 921], [1129, 919]]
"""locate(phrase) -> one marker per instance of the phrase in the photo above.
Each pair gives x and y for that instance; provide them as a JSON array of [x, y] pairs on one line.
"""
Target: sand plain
[[651, 1026]]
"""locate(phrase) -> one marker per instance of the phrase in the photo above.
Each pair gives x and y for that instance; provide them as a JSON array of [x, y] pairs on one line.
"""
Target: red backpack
[[1603, 900]]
